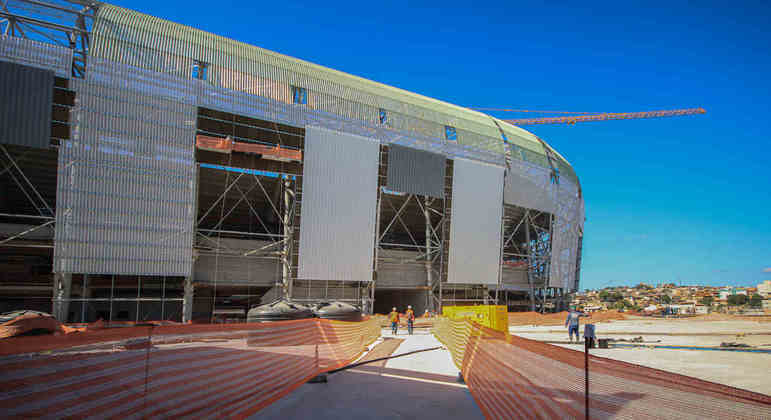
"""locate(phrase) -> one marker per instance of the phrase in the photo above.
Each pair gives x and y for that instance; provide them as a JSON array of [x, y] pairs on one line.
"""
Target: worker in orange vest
[[410, 318], [394, 317]]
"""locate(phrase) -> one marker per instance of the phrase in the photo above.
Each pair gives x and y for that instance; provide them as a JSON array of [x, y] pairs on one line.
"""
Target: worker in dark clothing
[[572, 323], [410, 319], [394, 318]]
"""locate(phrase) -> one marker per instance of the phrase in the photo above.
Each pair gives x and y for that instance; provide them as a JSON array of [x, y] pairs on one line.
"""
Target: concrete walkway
[[422, 385]]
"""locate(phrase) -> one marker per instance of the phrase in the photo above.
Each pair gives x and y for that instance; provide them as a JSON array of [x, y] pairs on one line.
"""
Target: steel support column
[[61, 297], [187, 302]]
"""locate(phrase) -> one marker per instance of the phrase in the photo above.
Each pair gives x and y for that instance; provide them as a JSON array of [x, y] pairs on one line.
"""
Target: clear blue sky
[[682, 199]]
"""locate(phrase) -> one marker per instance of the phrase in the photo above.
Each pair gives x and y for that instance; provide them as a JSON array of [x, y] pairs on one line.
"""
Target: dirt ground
[[535, 318], [739, 369]]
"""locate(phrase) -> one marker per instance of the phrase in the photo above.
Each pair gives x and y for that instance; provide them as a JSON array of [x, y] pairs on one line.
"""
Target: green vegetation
[[707, 300], [737, 300], [606, 296], [665, 299], [756, 301]]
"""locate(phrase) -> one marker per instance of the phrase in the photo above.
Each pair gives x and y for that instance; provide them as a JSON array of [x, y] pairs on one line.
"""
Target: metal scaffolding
[[138, 204]]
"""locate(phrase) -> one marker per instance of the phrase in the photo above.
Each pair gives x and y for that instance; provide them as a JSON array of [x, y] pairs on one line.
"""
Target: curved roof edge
[[117, 25]]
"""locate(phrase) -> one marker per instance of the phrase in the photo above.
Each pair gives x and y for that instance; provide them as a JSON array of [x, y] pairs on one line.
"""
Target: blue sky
[[682, 199]]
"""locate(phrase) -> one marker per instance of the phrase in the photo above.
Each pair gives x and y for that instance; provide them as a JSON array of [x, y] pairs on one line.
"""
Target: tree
[[707, 300], [666, 299], [737, 300], [604, 295], [756, 301]]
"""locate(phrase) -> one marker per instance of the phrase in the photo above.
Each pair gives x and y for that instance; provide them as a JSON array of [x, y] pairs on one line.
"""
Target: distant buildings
[[764, 289], [671, 298]]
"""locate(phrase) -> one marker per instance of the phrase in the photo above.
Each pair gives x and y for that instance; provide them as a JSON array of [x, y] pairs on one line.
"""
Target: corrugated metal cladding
[[514, 279], [475, 230], [36, 54], [394, 272], [26, 94], [149, 42], [126, 184], [235, 269], [415, 171], [337, 233], [530, 187]]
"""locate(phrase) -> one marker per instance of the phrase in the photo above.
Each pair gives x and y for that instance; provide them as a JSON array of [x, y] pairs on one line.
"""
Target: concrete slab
[[421, 385], [436, 361]]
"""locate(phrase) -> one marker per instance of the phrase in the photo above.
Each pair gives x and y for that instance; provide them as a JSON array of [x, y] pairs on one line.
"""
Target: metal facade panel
[[514, 279], [148, 42], [36, 54], [568, 222], [528, 186], [475, 229], [126, 182], [415, 171], [237, 271], [400, 269], [337, 232], [26, 94]]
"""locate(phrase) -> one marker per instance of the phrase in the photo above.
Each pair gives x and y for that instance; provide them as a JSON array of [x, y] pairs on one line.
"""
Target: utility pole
[[429, 281]]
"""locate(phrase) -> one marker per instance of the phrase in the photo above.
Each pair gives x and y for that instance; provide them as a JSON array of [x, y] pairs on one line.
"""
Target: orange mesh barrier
[[213, 144], [269, 152], [513, 377], [171, 371]]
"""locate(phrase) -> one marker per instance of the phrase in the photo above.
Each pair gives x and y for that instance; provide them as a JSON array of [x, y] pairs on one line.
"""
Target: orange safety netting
[[163, 371], [513, 377]]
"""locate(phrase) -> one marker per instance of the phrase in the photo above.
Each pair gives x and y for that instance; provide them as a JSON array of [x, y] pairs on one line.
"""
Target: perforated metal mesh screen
[[337, 234], [415, 171], [36, 54], [568, 222], [26, 94], [527, 185], [148, 42], [475, 232], [126, 183]]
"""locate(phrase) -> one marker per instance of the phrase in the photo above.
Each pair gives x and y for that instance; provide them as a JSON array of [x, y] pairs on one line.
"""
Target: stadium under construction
[[150, 170]]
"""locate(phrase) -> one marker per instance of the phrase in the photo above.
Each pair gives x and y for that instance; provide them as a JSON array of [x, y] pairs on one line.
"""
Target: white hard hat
[[409, 306], [394, 308]]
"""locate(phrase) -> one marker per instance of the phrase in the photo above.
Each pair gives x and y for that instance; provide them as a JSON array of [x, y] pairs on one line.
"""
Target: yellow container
[[491, 316]]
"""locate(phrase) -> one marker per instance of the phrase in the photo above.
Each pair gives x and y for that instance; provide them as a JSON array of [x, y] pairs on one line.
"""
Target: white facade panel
[[337, 232], [475, 229]]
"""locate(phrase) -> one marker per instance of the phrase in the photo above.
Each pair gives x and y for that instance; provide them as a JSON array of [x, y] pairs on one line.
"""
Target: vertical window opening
[[450, 134], [383, 116], [200, 70], [299, 95]]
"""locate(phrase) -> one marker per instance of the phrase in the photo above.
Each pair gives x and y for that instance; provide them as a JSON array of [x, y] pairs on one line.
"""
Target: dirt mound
[[535, 318], [30, 322]]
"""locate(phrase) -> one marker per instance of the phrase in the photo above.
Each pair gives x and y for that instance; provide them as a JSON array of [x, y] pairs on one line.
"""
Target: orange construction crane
[[572, 119]]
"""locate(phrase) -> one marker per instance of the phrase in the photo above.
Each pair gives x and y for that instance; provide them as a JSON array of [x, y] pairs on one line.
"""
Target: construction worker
[[394, 317], [410, 319], [572, 323]]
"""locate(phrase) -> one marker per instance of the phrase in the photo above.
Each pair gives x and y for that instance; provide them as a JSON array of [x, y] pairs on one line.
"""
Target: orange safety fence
[[268, 151], [229, 370], [513, 377]]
